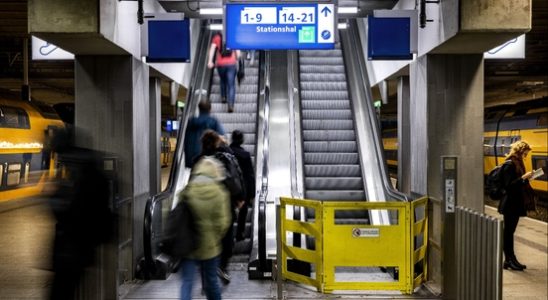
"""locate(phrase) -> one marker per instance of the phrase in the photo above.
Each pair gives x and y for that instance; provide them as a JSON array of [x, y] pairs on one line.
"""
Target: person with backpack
[[244, 160], [214, 146], [195, 130], [226, 62], [518, 198], [207, 200]]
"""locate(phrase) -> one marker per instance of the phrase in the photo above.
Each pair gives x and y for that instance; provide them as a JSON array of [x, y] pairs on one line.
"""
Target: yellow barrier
[[356, 248]]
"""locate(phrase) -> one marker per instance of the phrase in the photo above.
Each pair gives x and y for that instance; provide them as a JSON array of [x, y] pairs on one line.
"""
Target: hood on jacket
[[210, 167]]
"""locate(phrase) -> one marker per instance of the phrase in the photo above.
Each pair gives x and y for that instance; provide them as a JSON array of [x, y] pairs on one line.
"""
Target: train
[[26, 163], [503, 125]]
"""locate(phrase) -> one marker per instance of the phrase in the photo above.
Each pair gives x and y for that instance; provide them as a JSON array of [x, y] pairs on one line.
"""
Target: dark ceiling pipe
[[140, 12], [422, 12]]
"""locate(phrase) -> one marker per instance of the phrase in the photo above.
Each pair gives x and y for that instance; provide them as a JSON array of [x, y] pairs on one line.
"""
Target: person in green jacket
[[210, 206]]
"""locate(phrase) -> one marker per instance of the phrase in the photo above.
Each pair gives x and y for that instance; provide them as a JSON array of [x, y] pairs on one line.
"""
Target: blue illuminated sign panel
[[280, 26], [389, 39], [168, 41]]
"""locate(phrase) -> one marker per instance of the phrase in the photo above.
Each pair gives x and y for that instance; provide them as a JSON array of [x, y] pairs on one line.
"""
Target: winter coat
[[210, 207], [512, 202], [244, 159]]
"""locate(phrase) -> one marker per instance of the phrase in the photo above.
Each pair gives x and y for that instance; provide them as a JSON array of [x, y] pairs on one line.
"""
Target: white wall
[[118, 24], [444, 26]]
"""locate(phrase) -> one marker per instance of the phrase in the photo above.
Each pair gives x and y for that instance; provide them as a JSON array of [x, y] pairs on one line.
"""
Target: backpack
[[234, 179], [494, 184], [224, 51], [180, 235]]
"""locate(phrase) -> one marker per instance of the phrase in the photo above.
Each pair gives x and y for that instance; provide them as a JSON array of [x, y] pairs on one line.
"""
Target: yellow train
[[505, 124], [26, 164]]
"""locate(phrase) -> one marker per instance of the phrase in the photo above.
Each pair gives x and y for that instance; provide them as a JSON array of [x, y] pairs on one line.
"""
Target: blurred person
[[215, 146], [517, 200], [80, 205], [209, 203], [244, 160], [195, 130], [226, 62]]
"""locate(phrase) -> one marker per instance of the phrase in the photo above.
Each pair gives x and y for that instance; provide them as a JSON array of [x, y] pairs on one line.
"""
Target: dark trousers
[[510, 224], [242, 216], [228, 243]]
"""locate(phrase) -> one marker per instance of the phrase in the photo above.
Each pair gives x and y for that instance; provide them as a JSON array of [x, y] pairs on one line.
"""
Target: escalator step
[[332, 171], [324, 95], [329, 158], [348, 195], [333, 183], [324, 114], [330, 146], [331, 135], [328, 125]]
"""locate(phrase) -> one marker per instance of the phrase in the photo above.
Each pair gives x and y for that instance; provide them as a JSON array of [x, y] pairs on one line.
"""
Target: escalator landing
[[241, 288]]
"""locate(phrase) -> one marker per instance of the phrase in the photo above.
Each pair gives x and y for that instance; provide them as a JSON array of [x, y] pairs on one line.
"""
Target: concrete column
[[112, 103], [446, 119], [404, 136], [155, 119]]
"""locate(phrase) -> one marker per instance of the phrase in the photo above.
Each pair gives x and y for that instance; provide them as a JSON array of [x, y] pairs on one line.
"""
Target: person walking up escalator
[[226, 62]]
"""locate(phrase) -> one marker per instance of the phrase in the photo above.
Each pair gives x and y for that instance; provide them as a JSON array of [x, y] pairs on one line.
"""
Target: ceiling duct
[[191, 9]]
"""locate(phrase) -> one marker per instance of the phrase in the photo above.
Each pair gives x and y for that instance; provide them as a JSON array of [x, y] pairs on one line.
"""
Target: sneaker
[[230, 109], [223, 100], [225, 278]]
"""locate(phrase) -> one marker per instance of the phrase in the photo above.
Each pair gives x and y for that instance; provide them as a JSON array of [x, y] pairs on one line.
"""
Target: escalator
[[331, 162], [244, 118], [155, 264]]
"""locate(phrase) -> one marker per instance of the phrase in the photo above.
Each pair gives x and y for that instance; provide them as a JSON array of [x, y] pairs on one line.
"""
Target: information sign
[[280, 26]]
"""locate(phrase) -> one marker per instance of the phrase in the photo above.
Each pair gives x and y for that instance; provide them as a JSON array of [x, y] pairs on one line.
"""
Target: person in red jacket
[[226, 62]]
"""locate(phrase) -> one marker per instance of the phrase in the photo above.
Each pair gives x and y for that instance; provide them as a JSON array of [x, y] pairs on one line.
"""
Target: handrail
[[259, 233], [178, 166], [351, 40]]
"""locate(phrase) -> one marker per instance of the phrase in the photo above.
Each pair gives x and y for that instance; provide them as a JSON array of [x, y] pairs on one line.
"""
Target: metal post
[[279, 256]]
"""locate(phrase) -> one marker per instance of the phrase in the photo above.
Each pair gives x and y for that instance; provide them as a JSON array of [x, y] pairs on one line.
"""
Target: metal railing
[[258, 267], [479, 255]]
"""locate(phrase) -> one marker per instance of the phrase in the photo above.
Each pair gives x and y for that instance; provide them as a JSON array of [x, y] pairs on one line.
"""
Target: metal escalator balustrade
[[332, 168]]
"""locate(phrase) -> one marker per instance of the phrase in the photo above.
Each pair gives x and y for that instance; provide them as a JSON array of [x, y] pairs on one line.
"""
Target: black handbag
[[180, 236], [241, 70]]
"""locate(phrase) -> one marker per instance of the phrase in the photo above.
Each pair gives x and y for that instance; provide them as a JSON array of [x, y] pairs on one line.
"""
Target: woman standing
[[517, 199]]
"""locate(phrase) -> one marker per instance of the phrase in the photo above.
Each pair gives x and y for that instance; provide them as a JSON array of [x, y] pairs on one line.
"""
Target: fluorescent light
[[348, 10], [341, 26], [211, 11], [215, 26]]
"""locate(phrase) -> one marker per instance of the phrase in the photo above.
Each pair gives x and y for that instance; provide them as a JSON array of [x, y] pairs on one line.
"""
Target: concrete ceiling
[[506, 81]]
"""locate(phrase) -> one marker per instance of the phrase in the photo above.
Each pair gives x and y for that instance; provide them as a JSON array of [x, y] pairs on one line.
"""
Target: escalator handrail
[[353, 35], [263, 175], [192, 99]]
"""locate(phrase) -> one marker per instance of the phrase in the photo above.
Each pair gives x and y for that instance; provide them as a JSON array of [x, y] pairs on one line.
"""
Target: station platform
[[26, 231]]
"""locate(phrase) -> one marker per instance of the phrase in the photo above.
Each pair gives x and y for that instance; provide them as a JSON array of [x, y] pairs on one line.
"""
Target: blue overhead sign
[[280, 26], [389, 39]]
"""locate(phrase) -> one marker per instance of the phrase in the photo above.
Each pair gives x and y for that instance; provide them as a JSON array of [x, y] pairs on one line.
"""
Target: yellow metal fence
[[343, 255]]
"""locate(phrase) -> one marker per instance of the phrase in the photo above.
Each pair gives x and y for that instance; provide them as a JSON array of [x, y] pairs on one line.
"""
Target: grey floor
[[26, 229]]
